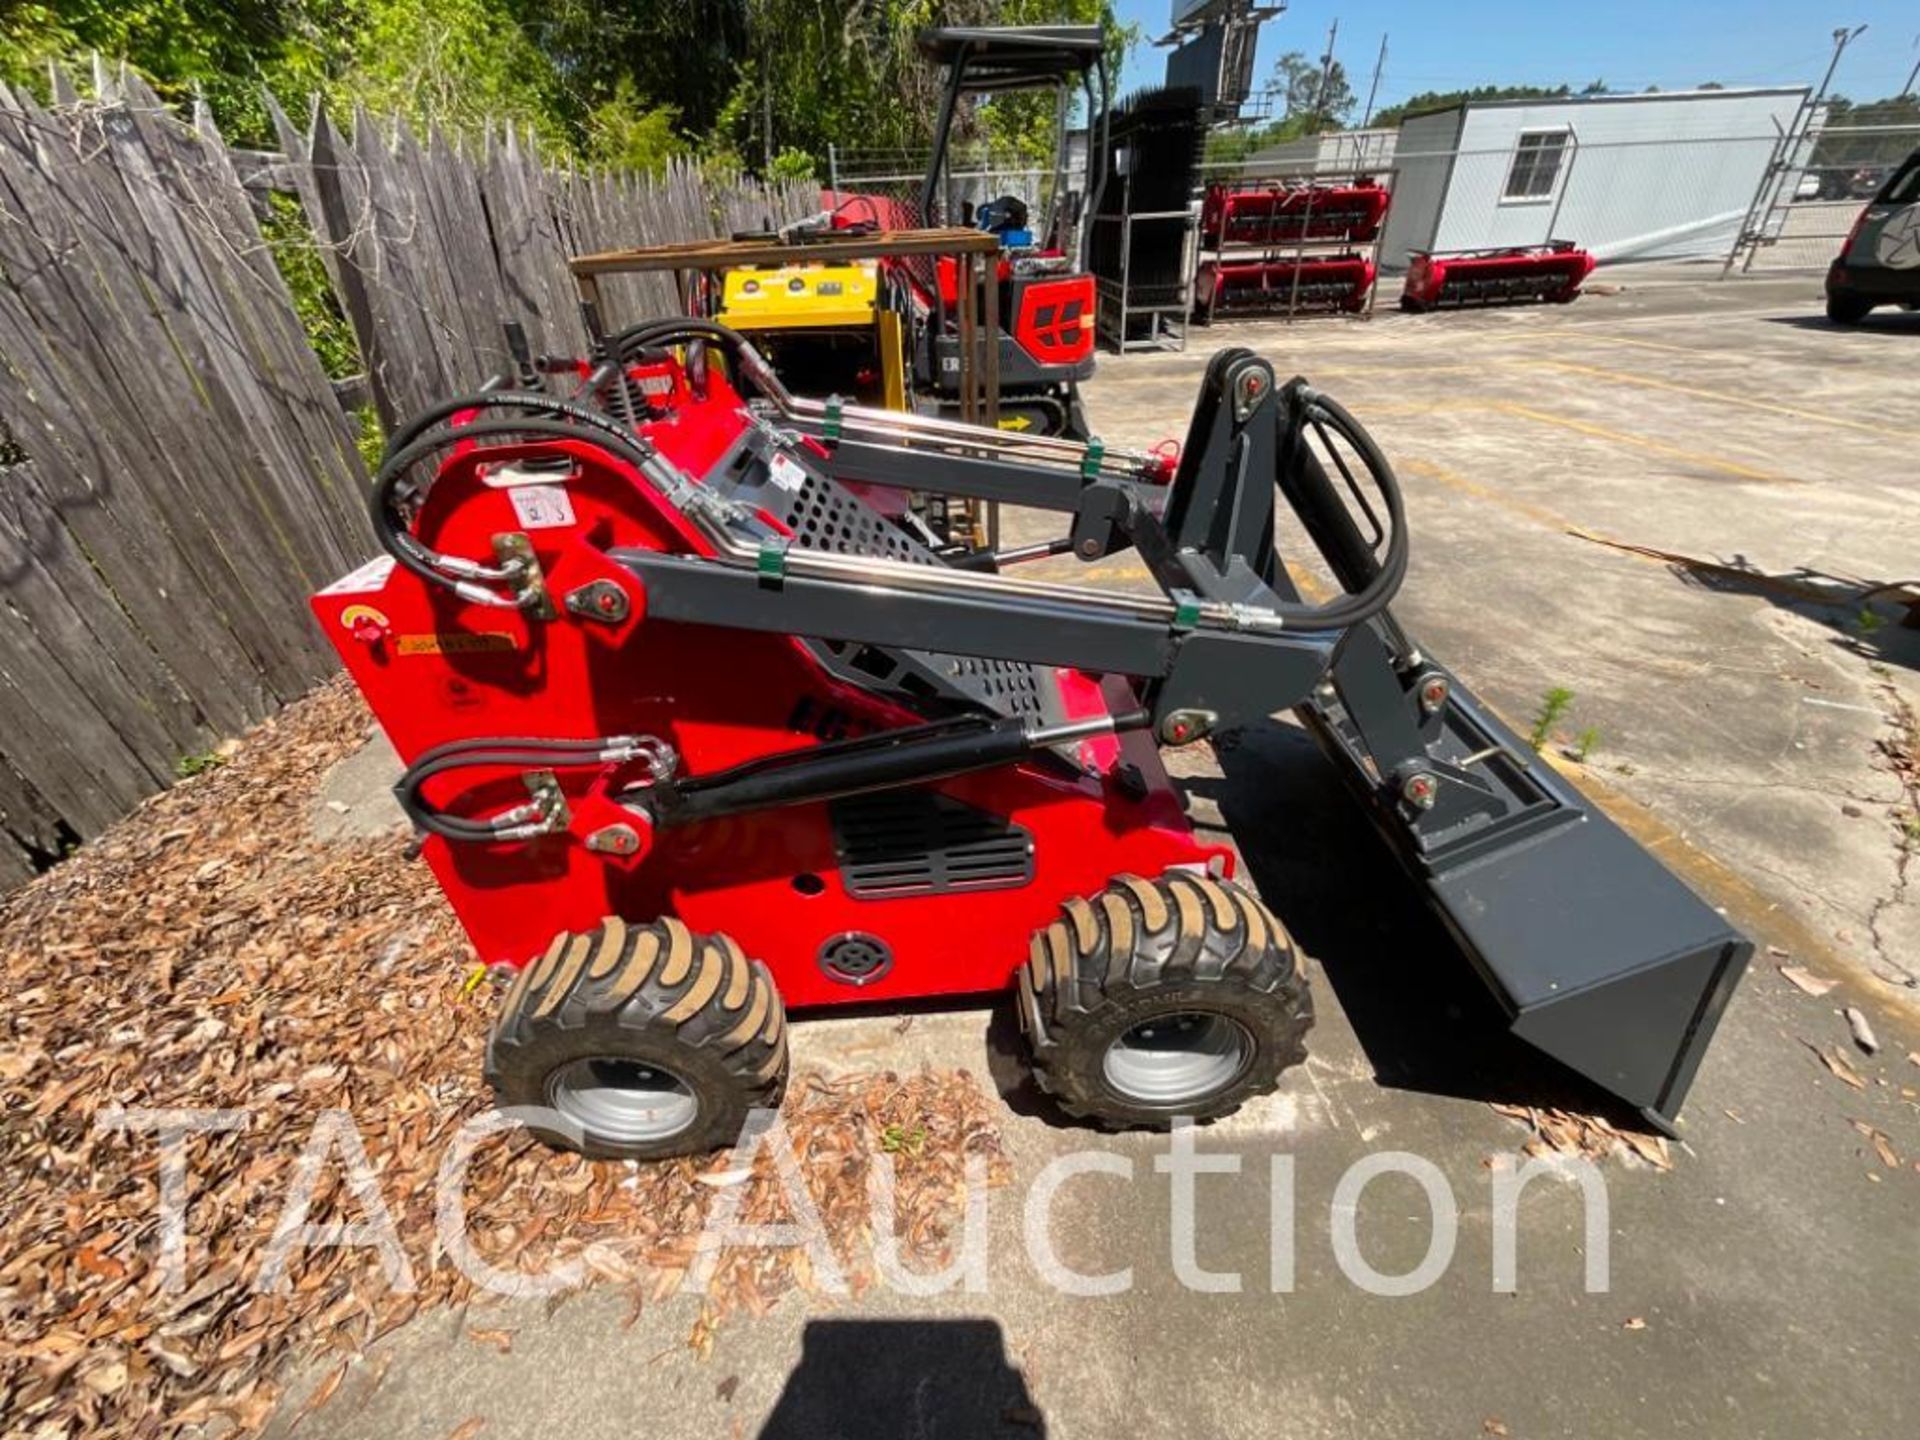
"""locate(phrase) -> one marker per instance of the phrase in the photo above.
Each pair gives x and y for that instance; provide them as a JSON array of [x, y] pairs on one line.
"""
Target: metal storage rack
[[1293, 238]]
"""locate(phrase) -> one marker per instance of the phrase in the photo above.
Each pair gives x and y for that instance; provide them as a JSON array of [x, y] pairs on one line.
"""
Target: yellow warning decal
[[456, 642]]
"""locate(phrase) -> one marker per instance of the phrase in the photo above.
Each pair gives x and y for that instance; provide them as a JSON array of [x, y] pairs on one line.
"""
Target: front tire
[[639, 1042], [1159, 999], [1847, 309]]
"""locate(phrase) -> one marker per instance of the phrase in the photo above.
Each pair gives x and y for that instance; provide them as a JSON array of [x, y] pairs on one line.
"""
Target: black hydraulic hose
[[535, 401], [1374, 597], [419, 559], [467, 754], [688, 327], [636, 337]]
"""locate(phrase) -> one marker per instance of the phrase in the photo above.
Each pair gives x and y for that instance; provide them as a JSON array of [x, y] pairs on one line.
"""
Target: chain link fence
[[1815, 190]]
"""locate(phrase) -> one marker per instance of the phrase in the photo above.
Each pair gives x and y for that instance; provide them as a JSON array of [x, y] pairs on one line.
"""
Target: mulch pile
[[209, 953]]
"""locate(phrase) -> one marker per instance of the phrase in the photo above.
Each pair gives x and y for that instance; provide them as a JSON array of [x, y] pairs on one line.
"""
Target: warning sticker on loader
[[786, 472], [456, 642], [541, 507], [366, 580]]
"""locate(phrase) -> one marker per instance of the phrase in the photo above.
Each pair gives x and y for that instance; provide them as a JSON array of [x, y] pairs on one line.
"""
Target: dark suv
[[1880, 263]]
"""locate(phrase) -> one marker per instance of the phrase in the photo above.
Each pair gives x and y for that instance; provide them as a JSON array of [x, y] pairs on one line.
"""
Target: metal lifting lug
[[1183, 727], [1420, 789], [614, 840], [1433, 688], [600, 600], [1253, 385]]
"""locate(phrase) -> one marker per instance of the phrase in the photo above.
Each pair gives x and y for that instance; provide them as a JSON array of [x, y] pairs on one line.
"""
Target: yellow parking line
[[1454, 480], [1658, 447], [1792, 412], [1599, 432], [1578, 334]]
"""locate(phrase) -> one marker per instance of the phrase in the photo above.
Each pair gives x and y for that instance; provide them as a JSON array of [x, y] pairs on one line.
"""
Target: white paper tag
[[505, 477], [541, 507], [786, 472], [368, 578]]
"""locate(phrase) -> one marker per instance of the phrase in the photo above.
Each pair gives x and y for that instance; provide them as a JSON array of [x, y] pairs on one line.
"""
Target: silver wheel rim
[[630, 1102], [1173, 1059]]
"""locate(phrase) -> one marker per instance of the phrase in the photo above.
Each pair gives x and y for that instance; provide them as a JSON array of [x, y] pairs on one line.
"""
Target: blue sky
[[1630, 44]]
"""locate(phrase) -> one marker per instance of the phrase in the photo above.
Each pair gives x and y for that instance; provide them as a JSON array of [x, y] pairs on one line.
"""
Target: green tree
[[624, 133], [1429, 100], [1315, 95], [223, 50]]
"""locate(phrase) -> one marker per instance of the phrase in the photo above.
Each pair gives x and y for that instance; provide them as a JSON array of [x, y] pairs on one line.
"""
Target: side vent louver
[[917, 842]]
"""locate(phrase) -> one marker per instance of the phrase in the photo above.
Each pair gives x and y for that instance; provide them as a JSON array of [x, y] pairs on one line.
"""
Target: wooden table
[[975, 254]]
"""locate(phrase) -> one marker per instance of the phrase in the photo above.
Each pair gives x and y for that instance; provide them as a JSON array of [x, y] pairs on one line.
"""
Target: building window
[[1536, 164]]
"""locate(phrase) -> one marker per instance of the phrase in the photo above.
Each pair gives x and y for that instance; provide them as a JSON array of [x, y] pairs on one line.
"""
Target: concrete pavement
[[1768, 1285]]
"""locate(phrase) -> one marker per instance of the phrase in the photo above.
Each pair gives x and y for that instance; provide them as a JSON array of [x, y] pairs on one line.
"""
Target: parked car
[[1880, 263], [1809, 186], [1866, 181]]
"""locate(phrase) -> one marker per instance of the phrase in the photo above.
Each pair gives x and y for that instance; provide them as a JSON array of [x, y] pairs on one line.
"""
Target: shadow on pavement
[[1424, 1019], [882, 1379], [1893, 322]]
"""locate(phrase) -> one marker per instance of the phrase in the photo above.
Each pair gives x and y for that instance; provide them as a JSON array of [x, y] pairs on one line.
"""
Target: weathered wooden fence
[[432, 248], [189, 475]]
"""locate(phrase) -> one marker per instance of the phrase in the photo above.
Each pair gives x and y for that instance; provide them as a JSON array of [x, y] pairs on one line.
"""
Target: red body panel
[[1281, 214], [436, 668], [1053, 319]]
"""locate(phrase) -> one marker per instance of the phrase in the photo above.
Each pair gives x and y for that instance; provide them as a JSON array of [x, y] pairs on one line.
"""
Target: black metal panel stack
[[1138, 236]]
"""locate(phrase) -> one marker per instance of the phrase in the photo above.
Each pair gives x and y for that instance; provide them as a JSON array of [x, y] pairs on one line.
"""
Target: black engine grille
[[917, 842]]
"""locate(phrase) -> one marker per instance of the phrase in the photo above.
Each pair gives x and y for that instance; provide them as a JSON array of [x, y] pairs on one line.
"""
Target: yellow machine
[[825, 302], [793, 297]]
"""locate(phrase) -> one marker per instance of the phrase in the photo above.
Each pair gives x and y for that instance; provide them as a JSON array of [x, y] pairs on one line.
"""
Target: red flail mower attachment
[[705, 717], [1337, 284], [1552, 273], [1274, 213]]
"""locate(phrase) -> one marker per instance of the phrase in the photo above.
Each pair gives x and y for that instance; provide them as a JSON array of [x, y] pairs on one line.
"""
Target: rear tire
[[1158, 999], [1847, 309], [639, 1042]]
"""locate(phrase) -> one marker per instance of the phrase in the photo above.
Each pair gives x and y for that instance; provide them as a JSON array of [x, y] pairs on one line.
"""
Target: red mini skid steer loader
[[699, 727]]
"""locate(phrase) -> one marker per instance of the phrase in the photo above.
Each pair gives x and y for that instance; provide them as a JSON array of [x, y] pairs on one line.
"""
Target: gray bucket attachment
[[1598, 954]]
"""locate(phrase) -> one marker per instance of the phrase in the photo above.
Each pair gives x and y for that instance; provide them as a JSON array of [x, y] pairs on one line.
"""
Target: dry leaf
[[107, 1379], [1494, 1427], [1882, 1145], [1837, 1063], [1636, 1323], [468, 1428], [1806, 981], [501, 1340], [210, 955], [1651, 1148]]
